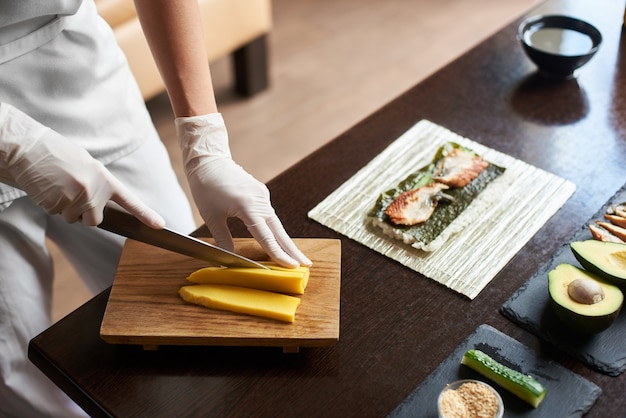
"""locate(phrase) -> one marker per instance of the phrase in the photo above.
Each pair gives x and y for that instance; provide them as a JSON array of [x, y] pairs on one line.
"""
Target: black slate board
[[529, 307], [568, 394]]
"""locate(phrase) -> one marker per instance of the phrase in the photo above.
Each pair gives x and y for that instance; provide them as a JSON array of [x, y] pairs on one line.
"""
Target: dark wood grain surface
[[396, 326]]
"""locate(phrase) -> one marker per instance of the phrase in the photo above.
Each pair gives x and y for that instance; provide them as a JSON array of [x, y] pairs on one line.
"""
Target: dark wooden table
[[396, 326]]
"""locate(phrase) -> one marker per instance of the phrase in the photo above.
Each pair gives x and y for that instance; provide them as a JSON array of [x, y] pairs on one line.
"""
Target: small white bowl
[[456, 385]]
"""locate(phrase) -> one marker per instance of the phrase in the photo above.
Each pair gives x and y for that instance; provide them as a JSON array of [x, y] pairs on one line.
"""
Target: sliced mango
[[242, 300], [277, 279]]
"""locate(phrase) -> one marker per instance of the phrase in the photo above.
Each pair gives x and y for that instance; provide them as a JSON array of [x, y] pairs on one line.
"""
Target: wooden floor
[[332, 64]]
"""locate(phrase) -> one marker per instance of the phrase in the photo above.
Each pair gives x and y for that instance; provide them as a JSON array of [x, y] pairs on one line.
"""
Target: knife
[[123, 223]]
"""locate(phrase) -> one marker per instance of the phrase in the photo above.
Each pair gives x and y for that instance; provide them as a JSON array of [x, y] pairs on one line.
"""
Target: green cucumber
[[523, 386]]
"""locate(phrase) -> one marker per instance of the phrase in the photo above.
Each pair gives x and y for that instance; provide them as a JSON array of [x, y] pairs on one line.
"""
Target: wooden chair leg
[[251, 67]]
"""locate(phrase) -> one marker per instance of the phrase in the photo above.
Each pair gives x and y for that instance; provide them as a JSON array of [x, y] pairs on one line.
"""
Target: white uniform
[[60, 65]]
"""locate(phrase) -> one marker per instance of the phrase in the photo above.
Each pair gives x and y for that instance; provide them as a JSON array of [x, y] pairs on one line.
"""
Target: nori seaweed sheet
[[446, 212]]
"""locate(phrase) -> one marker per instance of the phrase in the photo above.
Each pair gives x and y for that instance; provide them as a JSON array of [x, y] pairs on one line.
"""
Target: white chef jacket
[[61, 66], [69, 74], [15, 11]]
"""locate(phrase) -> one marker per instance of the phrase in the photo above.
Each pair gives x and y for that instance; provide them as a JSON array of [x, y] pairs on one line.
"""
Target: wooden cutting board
[[144, 307]]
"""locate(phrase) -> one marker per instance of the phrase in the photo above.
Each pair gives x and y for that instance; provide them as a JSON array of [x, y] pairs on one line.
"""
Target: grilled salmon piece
[[416, 206], [459, 167]]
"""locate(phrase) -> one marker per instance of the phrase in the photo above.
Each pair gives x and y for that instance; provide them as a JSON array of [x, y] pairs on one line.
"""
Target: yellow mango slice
[[242, 300], [278, 279]]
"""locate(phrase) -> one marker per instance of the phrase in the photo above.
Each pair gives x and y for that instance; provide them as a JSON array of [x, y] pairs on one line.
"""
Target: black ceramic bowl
[[557, 44]]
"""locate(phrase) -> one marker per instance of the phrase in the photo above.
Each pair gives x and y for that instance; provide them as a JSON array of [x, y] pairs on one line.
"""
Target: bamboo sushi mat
[[482, 240]]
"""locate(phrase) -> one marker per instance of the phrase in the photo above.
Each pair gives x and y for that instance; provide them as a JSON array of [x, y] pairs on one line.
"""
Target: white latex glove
[[60, 176], [223, 189]]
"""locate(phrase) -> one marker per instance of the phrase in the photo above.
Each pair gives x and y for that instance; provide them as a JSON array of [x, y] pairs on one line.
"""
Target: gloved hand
[[60, 176], [223, 189]]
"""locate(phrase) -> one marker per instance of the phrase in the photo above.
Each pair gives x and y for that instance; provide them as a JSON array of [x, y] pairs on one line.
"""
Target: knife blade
[[123, 223]]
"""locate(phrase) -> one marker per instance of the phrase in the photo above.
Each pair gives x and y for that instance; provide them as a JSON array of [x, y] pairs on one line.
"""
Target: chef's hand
[[223, 189], [60, 176]]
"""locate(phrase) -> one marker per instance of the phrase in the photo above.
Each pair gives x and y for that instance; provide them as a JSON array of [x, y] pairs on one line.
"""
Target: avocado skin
[[579, 322], [590, 260]]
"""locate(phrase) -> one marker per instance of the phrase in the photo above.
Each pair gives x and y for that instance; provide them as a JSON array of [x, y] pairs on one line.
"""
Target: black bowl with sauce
[[558, 44]]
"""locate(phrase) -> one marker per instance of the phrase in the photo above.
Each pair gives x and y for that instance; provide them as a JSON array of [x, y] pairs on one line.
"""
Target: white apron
[[71, 76]]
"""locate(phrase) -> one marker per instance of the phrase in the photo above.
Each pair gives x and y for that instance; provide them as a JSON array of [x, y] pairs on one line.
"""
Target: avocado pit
[[585, 291]]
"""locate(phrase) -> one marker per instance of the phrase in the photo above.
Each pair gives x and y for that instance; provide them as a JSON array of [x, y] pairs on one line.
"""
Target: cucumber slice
[[523, 386]]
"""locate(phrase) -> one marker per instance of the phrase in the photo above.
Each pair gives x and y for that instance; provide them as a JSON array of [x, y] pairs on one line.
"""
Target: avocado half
[[583, 301], [605, 259]]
